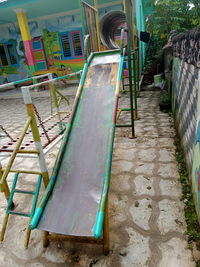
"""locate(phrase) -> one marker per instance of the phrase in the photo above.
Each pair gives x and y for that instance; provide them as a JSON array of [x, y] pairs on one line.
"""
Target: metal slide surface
[[73, 204]]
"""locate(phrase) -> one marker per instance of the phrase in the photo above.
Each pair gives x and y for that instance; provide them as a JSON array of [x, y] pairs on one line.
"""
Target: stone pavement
[[147, 222]]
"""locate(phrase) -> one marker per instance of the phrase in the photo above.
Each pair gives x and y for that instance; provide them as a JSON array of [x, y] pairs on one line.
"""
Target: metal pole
[[131, 89], [128, 9], [135, 85]]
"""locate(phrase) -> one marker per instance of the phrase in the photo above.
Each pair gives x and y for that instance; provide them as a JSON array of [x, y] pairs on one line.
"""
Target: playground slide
[[81, 182]]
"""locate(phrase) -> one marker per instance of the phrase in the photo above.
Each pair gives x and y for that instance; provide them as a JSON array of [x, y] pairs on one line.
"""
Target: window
[[77, 43], [11, 54], [3, 56], [8, 55], [66, 45], [71, 43]]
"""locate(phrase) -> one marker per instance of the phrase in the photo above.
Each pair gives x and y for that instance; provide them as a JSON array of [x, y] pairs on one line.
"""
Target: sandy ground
[[147, 222]]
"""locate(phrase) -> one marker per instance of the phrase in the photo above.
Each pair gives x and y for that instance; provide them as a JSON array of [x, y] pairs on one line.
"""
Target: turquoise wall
[[140, 23]]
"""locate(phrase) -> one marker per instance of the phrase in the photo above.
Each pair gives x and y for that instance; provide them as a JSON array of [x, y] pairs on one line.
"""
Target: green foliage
[[179, 15], [165, 98]]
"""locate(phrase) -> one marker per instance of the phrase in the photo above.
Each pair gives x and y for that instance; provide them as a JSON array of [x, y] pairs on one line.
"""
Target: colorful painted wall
[[186, 109], [57, 44]]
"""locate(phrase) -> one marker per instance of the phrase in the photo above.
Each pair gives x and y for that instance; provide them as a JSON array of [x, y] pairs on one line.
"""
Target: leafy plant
[[179, 15], [165, 99]]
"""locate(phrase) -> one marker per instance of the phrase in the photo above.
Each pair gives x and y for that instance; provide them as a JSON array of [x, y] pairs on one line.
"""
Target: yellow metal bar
[[27, 238], [3, 229], [6, 190], [14, 153], [1, 173], [27, 172], [97, 25], [118, 114], [33, 124], [21, 151], [53, 93], [62, 96]]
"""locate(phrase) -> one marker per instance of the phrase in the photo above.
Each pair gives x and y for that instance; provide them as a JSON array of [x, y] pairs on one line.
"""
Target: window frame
[[81, 42], [7, 58], [5, 45], [72, 50], [70, 44], [15, 54]]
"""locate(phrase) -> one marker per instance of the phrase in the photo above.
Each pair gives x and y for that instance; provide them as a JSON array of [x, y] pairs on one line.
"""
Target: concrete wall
[[186, 109]]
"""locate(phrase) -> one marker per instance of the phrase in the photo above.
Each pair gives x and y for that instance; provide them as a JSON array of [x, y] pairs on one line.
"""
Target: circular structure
[[110, 29]]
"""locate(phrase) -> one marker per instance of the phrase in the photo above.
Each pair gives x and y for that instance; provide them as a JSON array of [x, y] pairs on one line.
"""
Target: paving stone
[[144, 168], [143, 185], [120, 183], [141, 213], [137, 251], [175, 254], [171, 216], [124, 154], [146, 142], [118, 211], [168, 170], [166, 142], [170, 188], [146, 154], [166, 155], [121, 166]]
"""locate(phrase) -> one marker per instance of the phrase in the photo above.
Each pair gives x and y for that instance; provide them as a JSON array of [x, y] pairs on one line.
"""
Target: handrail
[[54, 80], [7, 85]]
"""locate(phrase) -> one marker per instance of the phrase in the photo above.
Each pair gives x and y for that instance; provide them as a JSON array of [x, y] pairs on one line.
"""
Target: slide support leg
[[28, 234], [106, 232], [45, 239]]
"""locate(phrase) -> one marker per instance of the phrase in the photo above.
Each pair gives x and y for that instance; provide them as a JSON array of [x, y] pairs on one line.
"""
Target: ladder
[[10, 211]]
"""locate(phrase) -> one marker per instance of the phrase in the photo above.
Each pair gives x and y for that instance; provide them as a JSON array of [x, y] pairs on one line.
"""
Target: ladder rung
[[19, 213], [24, 192]]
